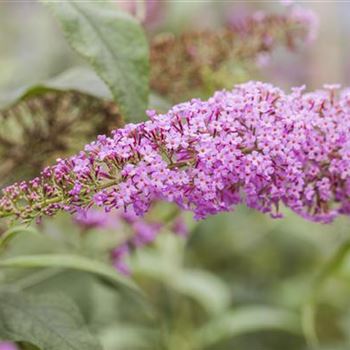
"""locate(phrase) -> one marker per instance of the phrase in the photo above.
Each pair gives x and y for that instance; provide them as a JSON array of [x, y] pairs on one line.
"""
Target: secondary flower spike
[[202, 62], [255, 145]]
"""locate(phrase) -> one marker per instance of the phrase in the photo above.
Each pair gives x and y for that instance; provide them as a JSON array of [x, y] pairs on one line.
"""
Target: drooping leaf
[[12, 232], [80, 79], [114, 44], [50, 322], [27, 346], [244, 320], [75, 262], [207, 289]]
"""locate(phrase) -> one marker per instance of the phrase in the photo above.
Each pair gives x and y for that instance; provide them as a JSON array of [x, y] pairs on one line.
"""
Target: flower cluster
[[137, 231], [143, 233], [254, 145], [198, 63], [297, 24]]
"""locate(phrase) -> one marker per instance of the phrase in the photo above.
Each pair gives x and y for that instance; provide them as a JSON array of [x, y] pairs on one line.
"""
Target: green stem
[[59, 199]]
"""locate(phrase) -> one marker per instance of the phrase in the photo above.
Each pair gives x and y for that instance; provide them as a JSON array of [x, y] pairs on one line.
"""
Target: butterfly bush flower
[[95, 219], [138, 231], [143, 233], [8, 346], [119, 256], [255, 145], [179, 227]]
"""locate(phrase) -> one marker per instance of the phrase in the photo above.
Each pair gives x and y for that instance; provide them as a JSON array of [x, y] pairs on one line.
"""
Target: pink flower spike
[[255, 145], [8, 346]]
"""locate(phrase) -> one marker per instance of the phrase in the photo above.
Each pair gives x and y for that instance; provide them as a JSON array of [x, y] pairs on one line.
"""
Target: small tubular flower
[[255, 145]]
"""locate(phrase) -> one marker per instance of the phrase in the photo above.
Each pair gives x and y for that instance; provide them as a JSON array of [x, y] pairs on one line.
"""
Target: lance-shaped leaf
[[114, 44], [247, 319], [79, 79], [70, 261]]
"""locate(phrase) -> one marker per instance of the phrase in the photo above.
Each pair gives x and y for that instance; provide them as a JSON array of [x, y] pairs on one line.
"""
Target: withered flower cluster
[[36, 131], [198, 63]]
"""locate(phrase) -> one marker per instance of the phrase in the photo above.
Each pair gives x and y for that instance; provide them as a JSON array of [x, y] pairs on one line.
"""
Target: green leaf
[[80, 79], [207, 289], [11, 233], [244, 320], [309, 307], [114, 44], [75, 262], [165, 265], [50, 322], [127, 336], [27, 346]]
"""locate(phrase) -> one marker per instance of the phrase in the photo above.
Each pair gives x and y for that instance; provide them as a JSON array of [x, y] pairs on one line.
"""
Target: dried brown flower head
[[198, 63], [39, 129]]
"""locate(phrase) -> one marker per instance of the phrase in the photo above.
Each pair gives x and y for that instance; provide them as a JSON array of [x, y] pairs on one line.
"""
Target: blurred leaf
[[244, 320], [114, 44], [8, 235], [26, 346], [309, 308], [204, 287], [122, 336], [50, 322], [79, 79], [75, 262], [334, 347]]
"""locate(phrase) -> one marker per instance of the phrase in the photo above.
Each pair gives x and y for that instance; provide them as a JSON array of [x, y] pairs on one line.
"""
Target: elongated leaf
[[114, 44], [50, 322], [310, 305], [124, 336], [75, 262], [11, 233], [80, 79], [207, 289], [247, 320]]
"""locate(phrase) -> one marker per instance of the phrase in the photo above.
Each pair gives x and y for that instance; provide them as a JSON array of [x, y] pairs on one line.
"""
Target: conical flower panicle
[[254, 145]]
